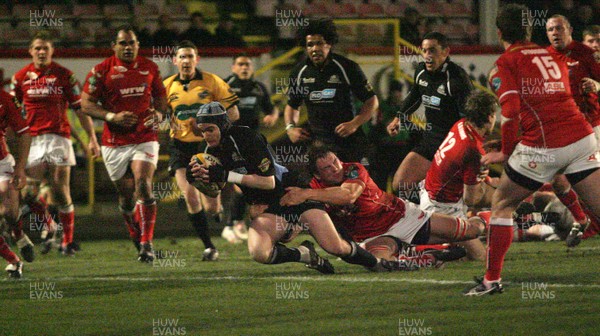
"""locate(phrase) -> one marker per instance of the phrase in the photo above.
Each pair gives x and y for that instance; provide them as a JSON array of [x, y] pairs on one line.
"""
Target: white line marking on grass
[[294, 278]]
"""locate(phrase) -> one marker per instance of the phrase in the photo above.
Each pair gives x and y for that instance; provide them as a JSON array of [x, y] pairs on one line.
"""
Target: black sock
[[360, 256], [200, 224], [283, 254], [238, 209]]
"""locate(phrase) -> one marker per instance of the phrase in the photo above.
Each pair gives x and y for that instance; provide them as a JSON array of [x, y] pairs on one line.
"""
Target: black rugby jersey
[[328, 92], [245, 151], [254, 98], [443, 93]]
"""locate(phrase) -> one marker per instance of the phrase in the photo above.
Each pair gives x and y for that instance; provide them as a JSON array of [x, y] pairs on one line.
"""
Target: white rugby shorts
[[541, 164], [117, 159], [52, 149]]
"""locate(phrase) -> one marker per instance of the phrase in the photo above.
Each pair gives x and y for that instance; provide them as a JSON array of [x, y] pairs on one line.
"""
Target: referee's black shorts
[[180, 153]]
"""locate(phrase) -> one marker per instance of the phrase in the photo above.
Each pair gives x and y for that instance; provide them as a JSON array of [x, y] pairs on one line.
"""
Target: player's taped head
[[214, 113]]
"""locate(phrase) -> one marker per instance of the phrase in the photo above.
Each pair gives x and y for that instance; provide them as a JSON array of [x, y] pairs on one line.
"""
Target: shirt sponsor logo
[[117, 76], [431, 100], [422, 83], [308, 80], [554, 87], [325, 94], [120, 68], [133, 91]]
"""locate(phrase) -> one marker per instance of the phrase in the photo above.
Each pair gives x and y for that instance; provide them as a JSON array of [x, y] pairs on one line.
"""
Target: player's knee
[[475, 227], [259, 253], [143, 189]]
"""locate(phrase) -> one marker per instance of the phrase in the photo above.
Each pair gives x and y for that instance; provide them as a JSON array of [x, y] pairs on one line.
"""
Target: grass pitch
[[103, 290]]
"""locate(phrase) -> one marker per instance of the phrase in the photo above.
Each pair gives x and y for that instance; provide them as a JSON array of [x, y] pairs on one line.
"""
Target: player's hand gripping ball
[[210, 189]]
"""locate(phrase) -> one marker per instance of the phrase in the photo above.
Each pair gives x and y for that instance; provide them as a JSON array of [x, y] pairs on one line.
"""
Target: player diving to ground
[[379, 220], [246, 161]]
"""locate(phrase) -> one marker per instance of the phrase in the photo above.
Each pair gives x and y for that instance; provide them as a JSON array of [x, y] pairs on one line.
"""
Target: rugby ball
[[211, 189]]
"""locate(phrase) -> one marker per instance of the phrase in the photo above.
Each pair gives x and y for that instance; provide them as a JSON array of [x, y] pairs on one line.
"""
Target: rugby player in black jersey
[[247, 162], [442, 87]]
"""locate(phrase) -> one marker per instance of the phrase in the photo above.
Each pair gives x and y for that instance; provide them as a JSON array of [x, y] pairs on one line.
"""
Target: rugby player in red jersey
[[584, 72], [370, 216], [456, 179], [46, 89], [133, 102], [591, 38], [533, 89], [12, 179]]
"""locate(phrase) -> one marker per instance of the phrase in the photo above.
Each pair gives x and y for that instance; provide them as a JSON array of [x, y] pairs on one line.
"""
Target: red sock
[[147, 213], [40, 210], [500, 236], [569, 199], [67, 219], [420, 248], [132, 222], [17, 229], [6, 253]]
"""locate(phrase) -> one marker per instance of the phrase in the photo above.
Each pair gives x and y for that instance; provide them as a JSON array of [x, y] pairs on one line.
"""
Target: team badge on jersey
[[264, 165], [496, 82], [441, 90], [334, 80], [352, 172]]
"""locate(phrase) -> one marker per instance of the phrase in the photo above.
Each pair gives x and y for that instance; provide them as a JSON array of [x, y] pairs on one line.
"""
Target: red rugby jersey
[[121, 86], [546, 106], [9, 117], [372, 214], [45, 95], [456, 163], [581, 63]]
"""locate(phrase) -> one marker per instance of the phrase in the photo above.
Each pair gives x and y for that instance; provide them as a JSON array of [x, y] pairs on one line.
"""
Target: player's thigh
[[212, 205], [263, 229], [507, 197], [190, 193], [412, 170], [145, 160]]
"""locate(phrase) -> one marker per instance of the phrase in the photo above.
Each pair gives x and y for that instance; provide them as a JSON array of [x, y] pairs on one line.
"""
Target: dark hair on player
[[590, 30], [479, 107], [43, 35], [185, 44], [514, 22], [238, 55], [124, 28], [323, 27], [315, 153], [441, 38]]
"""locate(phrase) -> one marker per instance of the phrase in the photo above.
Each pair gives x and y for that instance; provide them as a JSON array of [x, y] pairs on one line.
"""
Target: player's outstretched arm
[[217, 173], [345, 194]]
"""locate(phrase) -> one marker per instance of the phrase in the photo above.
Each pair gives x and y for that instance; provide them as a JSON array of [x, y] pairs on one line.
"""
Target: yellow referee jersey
[[186, 96]]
